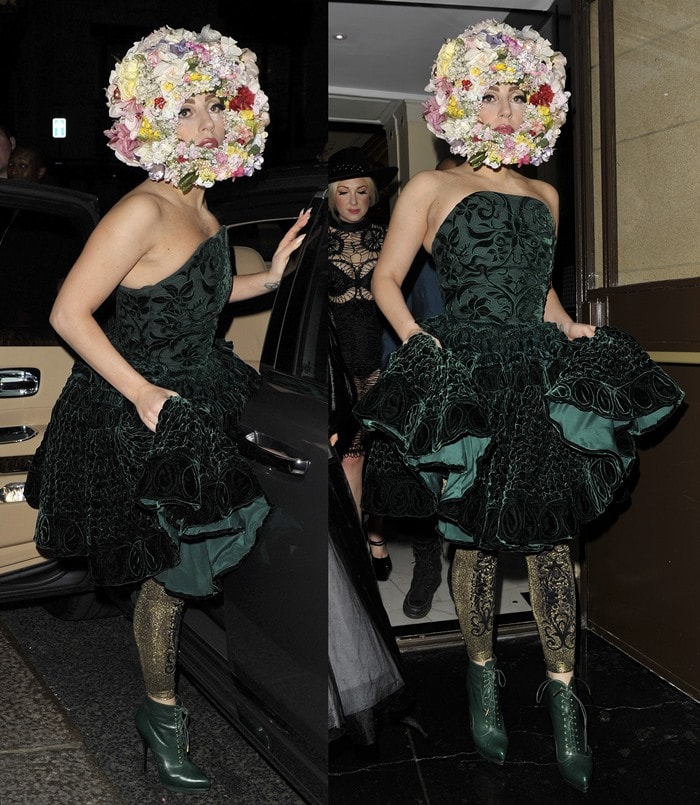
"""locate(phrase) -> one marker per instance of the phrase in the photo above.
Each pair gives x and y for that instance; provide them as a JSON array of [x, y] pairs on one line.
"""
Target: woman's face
[[352, 198], [503, 108], [201, 121]]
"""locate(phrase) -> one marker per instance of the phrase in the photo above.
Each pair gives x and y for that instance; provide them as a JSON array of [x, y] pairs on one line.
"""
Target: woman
[[353, 247], [138, 470], [514, 422]]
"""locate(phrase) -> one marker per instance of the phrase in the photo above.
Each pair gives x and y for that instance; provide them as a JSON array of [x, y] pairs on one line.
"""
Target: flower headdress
[[466, 67], [148, 87]]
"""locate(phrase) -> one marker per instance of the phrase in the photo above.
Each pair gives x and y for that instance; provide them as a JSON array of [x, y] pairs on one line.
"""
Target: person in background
[[138, 469], [512, 422], [423, 298], [26, 164], [365, 677], [353, 247], [7, 144]]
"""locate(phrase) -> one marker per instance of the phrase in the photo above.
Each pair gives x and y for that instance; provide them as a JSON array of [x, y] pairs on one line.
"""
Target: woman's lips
[[504, 129], [209, 142]]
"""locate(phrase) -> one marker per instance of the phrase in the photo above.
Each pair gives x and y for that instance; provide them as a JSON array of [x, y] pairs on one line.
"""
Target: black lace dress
[[353, 250], [181, 504], [513, 434]]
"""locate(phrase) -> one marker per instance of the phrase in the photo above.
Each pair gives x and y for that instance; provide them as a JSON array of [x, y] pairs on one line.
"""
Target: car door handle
[[19, 382], [264, 449], [16, 433]]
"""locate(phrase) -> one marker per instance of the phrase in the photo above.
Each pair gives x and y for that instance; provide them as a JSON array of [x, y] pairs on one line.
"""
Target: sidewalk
[[43, 759]]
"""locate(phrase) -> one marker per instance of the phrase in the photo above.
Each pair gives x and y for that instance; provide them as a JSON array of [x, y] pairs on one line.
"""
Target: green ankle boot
[[574, 756], [163, 728], [485, 717]]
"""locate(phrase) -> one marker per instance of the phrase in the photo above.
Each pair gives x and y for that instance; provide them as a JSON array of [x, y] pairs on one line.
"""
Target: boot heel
[[486, 721]]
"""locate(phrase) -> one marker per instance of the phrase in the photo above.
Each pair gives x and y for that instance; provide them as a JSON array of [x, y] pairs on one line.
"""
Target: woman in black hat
[[354, 244]]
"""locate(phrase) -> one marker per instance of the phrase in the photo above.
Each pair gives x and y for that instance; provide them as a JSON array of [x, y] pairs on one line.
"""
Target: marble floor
[[644, 734]]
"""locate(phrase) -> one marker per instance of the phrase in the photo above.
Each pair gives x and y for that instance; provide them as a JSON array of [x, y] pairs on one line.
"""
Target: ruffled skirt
[[514, 435], [180, 504]]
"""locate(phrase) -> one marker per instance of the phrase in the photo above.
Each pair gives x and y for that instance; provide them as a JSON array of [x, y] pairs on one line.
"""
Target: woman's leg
[[474, 591], [553, 599], [157, 618], [162, 720], [353, 465]]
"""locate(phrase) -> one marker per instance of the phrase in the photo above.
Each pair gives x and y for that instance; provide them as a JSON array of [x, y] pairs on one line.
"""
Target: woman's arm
[[120, 240], [404, 237], [249, 286], [554, 312]]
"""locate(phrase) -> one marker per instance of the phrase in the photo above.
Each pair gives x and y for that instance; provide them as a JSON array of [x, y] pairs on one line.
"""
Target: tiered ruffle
[[513, 434]]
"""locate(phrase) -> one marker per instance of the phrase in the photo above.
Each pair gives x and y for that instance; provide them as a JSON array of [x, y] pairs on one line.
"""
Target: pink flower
[[120, 140]]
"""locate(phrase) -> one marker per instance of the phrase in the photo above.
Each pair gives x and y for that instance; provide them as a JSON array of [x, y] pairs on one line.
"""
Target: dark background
[[57, 56]]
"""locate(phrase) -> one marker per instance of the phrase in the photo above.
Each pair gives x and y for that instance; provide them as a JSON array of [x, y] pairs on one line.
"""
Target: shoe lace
[[490, 700], [425, 566], [183, 735], [575, 738]]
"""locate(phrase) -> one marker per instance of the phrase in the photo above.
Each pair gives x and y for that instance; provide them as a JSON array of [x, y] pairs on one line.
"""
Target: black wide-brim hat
[[352, 163]]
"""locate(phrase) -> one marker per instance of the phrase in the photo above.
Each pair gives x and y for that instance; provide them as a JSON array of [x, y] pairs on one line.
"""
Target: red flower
[[244, 100], [466, 84], [543, 97], [159, 103]]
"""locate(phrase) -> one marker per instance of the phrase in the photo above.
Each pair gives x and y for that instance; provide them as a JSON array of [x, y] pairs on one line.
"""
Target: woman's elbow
[[59, 318]]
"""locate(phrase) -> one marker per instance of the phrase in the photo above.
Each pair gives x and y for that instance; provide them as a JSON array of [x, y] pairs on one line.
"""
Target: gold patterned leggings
[[157, 630], [552, 597]]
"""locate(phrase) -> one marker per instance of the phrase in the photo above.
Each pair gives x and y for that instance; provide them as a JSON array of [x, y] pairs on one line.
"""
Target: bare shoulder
[[545, 191], [139, 210], [422, 183]]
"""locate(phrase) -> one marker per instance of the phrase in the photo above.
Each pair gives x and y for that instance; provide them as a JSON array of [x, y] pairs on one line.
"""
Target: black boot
[[163, 728], [427, 575], [488, 730], [568, 715]]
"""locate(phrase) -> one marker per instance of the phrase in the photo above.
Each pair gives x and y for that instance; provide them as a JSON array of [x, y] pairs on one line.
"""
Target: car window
[[263, 236], [41, 236], [295, 344]]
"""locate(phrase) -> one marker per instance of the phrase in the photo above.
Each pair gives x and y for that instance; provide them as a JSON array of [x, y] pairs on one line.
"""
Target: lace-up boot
[[488, 730], [568, 716], [427, 575], [163, 728]]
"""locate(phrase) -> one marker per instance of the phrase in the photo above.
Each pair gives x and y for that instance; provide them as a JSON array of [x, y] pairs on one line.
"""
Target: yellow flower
[[444, 58], [147, 132], [453, 109], [168, 86], [500, 66], [127, 78]]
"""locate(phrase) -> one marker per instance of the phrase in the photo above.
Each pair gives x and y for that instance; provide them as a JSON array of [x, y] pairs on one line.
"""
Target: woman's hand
[[418, 331], [149, 400], [287, 246], [577, 330]]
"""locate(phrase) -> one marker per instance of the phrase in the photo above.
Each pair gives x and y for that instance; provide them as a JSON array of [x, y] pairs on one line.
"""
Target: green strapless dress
[[514, 435], [181, 505]]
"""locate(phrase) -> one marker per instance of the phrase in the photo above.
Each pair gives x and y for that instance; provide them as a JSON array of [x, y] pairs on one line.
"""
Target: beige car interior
[[247, 330]]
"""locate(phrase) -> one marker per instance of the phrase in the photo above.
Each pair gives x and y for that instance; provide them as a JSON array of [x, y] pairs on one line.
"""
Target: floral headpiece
[[466, 67], [148, 87]]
